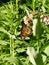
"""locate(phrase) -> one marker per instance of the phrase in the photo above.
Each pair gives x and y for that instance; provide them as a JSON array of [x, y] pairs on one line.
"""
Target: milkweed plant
[[34, 49]]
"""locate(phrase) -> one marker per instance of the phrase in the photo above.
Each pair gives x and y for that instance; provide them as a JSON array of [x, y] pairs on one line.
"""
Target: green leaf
[[13, 60], [47, 50], [47, 36], [39, 28], [32, 54], [6, 32], [43, 2], [2, 42], [20, 50], [39, 60], [43, 8]]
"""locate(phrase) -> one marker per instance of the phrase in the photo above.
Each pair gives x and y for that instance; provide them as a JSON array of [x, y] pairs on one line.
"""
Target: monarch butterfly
[[26, 30]]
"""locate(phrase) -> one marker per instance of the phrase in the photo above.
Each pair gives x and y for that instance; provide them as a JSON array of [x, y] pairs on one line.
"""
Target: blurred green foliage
[[12, 48]]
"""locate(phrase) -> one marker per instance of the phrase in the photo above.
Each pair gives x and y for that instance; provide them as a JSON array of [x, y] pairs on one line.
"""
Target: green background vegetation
[[12, 48]]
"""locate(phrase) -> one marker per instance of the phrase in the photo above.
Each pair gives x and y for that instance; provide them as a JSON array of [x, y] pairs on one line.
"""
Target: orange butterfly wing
[[25, 31]]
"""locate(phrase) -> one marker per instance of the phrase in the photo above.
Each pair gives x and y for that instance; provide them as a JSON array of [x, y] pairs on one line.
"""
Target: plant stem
[[38, 44], [17, 8], [11, 46], [33, 4]]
